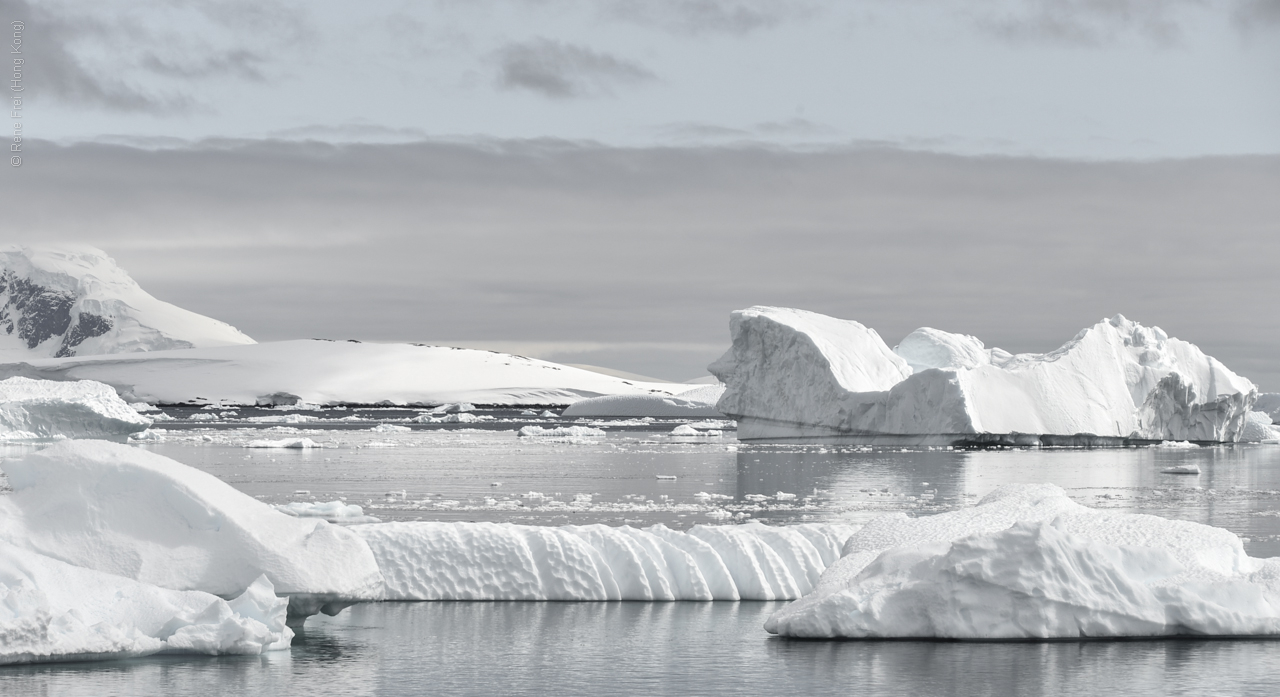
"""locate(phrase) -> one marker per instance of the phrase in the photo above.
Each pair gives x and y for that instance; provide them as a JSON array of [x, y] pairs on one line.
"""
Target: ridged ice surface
[[1029, 563], [31, 409], [497, 561]]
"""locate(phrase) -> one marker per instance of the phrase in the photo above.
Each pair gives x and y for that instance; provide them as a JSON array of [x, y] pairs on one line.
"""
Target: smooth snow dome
[[33, 409], [71, 300], [502, 561], [53, 611], [788, 377], [333, 372], [1029, 563], [698, 402], [139, 515], [932, 348]]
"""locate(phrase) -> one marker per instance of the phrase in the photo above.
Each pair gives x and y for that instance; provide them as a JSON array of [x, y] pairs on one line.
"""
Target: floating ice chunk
[[493, 561], [143, 407], [151, 435], [548, 414], [697, 402], [1029, 563], [333, 511], [1176, 444], [665, 477], [528, 412], [53, 611], [136, 514], [283, 419], [286, 443], [390, 428], [31, 409], [1182, 469], [560, 432], [685, 430]]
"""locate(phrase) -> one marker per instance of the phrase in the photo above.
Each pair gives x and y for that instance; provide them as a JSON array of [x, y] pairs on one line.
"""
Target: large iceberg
[[502, 561], [699, 402], [793, 374], [54, 611], [73, 300], [1029, 563], [131, 513], [31, 409]]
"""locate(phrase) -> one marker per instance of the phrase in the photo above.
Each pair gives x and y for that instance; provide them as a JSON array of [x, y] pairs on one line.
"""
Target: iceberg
[[796, 375], [1029, 563], [131, 513], [34, 409], [699, 402], [54, 611], [502, 561], [73, 300]]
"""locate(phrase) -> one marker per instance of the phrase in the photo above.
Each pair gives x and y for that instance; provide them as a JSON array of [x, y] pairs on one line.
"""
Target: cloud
[[148, 57], [553, 241], [709, 16], [562, 71]]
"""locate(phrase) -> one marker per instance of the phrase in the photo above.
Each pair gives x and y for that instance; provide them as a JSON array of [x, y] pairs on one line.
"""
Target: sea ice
[[500, 561], [31, 409], [795, 374], [560, 432], [125, 511], [332, 511], [53, 611], [286, 443], [1027, 562]]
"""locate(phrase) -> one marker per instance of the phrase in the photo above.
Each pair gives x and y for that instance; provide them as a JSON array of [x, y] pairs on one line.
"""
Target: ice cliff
[[73, 300], [31, 409], [1029, 563], [795, 374]]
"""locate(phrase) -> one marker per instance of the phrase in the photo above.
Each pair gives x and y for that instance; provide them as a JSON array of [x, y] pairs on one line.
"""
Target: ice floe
[[1027, 562], [31, 409], [285, 443], [560, 432], [332, 511], [794, 375], [53, 611], [500, 561], [125, 511]]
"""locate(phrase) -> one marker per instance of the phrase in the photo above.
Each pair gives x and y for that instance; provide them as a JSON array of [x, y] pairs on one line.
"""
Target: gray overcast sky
[[602, 182]]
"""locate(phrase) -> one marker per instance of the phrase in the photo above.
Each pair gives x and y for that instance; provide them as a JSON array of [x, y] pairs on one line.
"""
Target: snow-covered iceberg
[[497, 561], [73, 300], [54, 611], [32, 409], [1029, 563], [699, 402], [337, 372], [793, 374], [128, 512]]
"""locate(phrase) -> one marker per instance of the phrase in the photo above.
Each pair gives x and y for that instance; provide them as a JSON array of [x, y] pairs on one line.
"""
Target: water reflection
[[394, 649]]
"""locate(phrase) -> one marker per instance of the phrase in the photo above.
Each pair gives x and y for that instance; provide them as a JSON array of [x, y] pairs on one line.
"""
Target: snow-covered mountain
[[69, 300]]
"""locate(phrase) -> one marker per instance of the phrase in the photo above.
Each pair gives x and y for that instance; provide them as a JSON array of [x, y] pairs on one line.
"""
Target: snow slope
[[699, 402], [501, 561], [73, 300], [53, 611], [132, 513], [795, 374], [1029, 563], [82, 409], [331, 372]]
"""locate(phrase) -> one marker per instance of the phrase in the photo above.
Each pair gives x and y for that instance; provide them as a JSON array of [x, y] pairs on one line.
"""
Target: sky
[[603, 182]]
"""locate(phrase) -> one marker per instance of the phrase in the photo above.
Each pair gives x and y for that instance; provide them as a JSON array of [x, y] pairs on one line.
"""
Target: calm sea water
[[681, 648]]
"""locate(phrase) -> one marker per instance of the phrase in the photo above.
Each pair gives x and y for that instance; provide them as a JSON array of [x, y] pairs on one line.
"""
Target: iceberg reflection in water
[[509, 648]]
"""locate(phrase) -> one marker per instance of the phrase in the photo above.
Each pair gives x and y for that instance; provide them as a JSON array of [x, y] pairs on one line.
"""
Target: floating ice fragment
[[1180, 469]]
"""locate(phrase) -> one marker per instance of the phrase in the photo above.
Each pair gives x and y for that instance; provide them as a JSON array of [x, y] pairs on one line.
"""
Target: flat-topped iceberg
[[54, 611], [142, 516], [1029, 563], [33, 409], [699, 402], [497, 561], [792, 374]]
